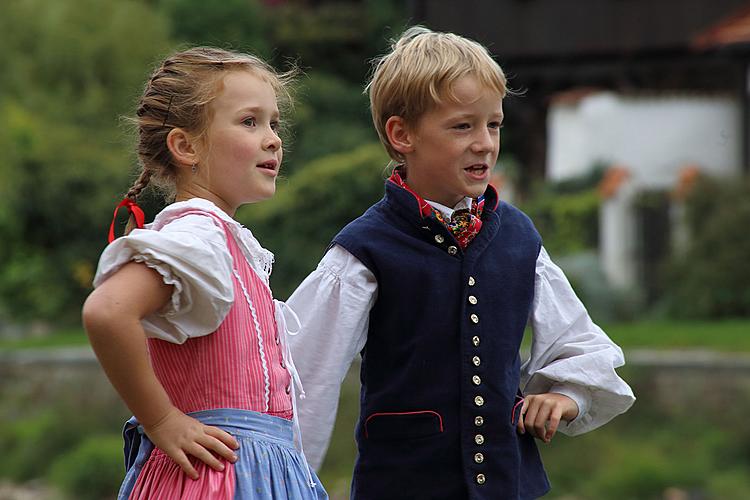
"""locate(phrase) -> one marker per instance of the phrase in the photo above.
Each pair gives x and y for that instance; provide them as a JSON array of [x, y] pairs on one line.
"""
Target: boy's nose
[[484, 142]]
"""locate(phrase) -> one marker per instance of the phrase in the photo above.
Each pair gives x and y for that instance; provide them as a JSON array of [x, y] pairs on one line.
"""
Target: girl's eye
[[275, 126], [495, 125], [250, 122], [462, 126]]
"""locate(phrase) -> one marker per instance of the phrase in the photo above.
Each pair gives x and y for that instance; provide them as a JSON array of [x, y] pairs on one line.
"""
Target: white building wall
[[652, 136]]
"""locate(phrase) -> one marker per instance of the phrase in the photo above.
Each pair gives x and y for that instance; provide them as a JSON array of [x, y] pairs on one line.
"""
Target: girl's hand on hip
[[541, 414], [179, 435]]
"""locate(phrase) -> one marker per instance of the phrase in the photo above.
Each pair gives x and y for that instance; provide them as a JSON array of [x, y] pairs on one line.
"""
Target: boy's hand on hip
[[179, 435], [541, 414]]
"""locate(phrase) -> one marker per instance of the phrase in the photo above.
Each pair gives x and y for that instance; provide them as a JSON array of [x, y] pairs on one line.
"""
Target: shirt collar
[[447, 212]]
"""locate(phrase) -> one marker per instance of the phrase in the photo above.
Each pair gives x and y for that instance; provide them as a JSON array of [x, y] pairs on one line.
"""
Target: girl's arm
[[112, 317]]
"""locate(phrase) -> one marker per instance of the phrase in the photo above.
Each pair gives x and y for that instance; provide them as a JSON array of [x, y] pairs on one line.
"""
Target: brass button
[[473, 300], [479, 400], [480, 479], [479, 421], [474, 318], [472, 281], [452, 250], [439, 238], [475, 340], [479, 439], [476, 380], [478, 458], [476, 361]]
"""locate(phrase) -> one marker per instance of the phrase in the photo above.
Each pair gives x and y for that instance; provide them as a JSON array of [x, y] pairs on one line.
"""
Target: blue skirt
[[268, 466]]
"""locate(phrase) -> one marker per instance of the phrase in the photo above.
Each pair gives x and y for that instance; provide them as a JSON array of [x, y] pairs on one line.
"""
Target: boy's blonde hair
[[420, 72]]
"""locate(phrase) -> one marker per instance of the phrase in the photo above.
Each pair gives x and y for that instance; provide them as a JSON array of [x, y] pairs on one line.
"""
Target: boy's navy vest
[[441, 366]]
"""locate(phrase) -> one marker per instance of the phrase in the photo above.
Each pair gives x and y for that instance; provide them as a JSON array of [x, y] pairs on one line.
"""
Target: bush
[[28, 445], [92, 470], [712, 279], [568, 222]]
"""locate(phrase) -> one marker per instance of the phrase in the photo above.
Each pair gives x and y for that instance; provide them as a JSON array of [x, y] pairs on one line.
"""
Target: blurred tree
[[338, 37], [71, 68], [712, 278], [232, 24], [331, 116]]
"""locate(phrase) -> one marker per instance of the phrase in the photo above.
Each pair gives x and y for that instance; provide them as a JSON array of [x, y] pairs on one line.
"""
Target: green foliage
[[331, 116], [92, 470], [29, 443], [70, 69], [318, 200], [336, 37], [233, 24], [711, 279], [567, 222]]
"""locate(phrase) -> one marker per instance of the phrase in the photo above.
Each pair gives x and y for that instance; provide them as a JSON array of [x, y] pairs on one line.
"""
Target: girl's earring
[[194, 168]]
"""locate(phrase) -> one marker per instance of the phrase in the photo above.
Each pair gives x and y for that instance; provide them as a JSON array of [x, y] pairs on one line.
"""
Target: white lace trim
[[261, 259], [266, 378]]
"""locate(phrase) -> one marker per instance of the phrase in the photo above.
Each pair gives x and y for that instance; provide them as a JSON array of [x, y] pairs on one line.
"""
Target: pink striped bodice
[[240, 365]]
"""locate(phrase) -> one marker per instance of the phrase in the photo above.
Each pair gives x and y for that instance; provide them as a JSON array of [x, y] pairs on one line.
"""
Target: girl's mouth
[[269, 167]]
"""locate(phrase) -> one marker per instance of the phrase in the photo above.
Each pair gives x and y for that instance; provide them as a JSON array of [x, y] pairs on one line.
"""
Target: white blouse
[[570, 354], [190, 252]]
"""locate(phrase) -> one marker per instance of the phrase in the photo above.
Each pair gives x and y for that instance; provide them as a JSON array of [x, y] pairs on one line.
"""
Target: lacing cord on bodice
[[280, 309]]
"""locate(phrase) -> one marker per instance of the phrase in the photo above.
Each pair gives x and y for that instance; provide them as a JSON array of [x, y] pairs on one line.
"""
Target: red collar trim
[[425, 209]]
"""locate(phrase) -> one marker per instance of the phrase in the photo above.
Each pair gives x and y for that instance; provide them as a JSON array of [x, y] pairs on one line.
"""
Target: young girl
[[434, 286], [182, 318]]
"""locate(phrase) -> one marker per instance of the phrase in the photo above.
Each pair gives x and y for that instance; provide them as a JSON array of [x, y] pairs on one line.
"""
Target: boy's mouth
[[477, 171]]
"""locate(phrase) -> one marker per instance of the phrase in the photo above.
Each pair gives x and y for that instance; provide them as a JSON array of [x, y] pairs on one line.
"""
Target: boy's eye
[[250, 122], [275, 126], [462, 126], [495, 125]]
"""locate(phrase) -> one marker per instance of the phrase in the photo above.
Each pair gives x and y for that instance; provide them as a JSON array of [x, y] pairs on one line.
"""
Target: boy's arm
[[571, 355], [333, 304]]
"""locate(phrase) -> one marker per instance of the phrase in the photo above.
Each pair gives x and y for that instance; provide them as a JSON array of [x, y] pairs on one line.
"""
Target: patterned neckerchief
[[464, 224]]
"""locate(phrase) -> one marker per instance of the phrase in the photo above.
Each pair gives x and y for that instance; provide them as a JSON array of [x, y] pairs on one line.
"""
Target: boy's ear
[[398, 134], [181, 145]]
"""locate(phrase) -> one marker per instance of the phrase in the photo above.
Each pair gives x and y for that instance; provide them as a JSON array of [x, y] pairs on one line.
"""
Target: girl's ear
[[398, 135], [183, 148]]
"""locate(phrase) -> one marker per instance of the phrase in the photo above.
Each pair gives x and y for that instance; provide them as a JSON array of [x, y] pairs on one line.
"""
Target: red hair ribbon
[[133, 209]]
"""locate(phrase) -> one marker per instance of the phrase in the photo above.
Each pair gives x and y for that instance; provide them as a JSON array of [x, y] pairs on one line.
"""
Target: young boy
[[434, 285]]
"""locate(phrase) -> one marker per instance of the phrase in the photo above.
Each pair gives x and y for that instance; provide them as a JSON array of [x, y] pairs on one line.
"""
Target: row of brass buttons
[[477, 380]]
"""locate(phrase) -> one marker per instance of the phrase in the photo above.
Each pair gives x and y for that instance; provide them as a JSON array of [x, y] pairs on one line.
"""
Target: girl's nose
[[272, 141]]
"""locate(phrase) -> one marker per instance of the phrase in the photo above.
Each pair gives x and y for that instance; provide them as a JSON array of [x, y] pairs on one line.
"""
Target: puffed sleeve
[[191, 254], [571, 355], [333, 304]]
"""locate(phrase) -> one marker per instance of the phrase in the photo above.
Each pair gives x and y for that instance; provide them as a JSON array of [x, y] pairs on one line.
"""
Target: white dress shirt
[[569, 355]]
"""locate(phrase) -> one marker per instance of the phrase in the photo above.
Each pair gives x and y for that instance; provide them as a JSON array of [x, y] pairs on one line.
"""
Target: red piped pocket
[[403, 425]]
